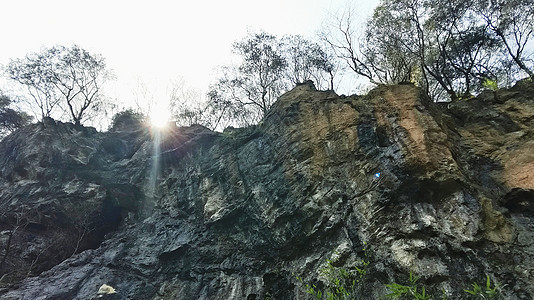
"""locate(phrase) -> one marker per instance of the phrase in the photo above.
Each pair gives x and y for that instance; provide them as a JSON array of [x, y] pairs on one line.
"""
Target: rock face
[[443, 191]]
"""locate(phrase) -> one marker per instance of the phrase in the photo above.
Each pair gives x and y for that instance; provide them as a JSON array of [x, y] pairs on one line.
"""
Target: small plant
[[411, 291], [340, 283], [490, 84], [487, 292]]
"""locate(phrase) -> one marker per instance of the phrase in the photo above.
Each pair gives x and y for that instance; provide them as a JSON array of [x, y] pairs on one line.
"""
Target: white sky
[[156, 41]]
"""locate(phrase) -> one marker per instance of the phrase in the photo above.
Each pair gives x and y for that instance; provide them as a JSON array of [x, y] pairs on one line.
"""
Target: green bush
[[127, 120], [339, 283]]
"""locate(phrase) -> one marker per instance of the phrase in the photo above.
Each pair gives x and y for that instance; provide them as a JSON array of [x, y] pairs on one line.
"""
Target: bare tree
[[187, 105], [342, 37]]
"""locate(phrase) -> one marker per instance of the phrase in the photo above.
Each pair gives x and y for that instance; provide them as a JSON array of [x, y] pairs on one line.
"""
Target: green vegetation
[[413, 291], [68, 79], [410, 291], [490, 84], [127, 119], [269, 66], [484, 292], [446, 47], [10, 119], [339, 283], [452, 49]]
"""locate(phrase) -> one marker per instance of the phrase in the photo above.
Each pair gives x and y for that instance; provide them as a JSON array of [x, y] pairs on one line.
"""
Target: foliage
[[483, 292], [416, 292], [490, 84], [410, 291], [269, 66], [10, 119], [127, 119], [245, 92], [448, 48], [339, 283], [512, 22], [59, 77], [307, 60]]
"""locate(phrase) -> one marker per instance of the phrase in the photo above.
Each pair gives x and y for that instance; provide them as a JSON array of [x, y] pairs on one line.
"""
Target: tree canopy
[[450, 48], [268, 67], [65, 78]]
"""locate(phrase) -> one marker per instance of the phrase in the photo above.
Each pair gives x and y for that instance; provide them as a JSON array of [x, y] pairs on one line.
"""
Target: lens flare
[[159, 117]]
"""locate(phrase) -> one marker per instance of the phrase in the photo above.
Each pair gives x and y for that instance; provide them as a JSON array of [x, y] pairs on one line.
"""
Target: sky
[[156, 42]]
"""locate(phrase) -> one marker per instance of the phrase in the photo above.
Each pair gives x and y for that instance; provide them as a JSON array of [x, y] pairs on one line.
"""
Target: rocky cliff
[[388, 183]]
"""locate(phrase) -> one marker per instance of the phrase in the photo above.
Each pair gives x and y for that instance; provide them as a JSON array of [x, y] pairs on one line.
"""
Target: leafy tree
[[511, 21], [391, 54], [446, 47], [245, 92], [307, 60], [269, 66], [70, 78], [10, 119]]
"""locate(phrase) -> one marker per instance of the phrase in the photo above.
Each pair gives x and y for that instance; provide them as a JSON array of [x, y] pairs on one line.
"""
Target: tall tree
[[307, 60], [341, 36], [245, 92], [448, 45], [391, 54], [512, 21], [268, 66], [70, 78]]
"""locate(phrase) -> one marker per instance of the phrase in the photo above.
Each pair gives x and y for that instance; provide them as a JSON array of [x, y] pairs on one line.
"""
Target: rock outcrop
[[445, 191]]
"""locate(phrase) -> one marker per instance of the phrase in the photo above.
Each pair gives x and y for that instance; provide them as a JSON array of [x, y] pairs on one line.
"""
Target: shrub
[[127, 120]]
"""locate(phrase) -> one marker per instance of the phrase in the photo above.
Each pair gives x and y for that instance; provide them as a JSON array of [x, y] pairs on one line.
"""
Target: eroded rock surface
[[443, 191]]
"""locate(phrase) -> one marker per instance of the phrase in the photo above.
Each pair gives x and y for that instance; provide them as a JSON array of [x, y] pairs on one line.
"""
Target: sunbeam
[[155, 169]]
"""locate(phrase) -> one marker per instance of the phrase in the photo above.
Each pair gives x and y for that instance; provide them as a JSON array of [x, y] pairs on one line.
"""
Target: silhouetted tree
[[447, 47], [245, 92], [342, 38], [307, 60], [127, 119], [70, 78], [188, 107]]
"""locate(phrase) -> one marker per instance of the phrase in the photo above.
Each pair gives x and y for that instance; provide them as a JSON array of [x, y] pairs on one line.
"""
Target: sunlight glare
[[159, 117]]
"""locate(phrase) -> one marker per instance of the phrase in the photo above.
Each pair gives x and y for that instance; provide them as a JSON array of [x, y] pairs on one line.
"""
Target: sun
[[159, 117]]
